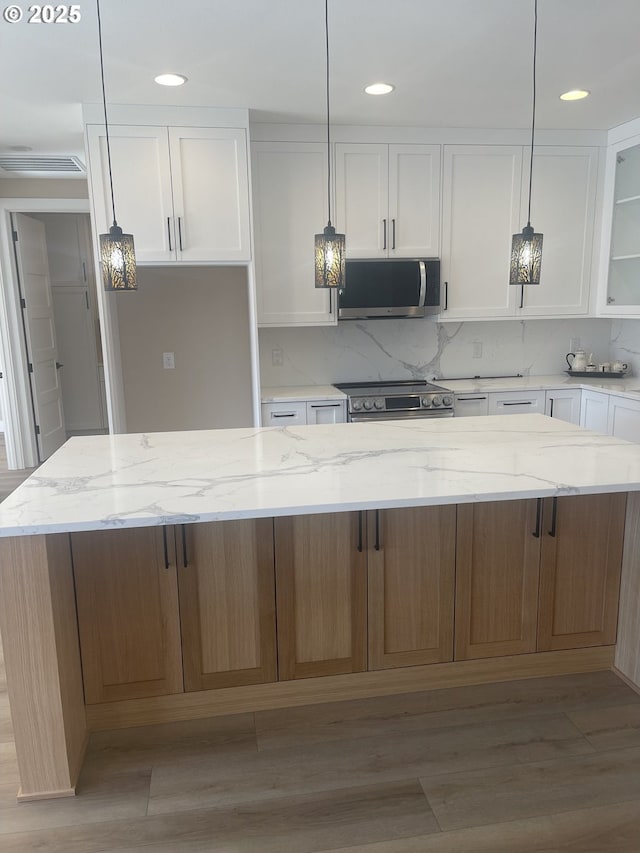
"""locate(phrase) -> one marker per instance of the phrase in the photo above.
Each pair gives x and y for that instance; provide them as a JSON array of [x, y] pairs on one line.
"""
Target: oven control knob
[[426, 402], [368, 405], [447, 400], [379, 404], [357, 405], [436, 400]]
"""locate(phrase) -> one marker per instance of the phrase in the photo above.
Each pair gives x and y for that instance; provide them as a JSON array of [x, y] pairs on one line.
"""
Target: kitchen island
[[220, 512]]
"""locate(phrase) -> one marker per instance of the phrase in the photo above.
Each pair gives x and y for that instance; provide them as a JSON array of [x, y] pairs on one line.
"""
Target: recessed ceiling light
[[574, 95], [379, 88], [170, 79]]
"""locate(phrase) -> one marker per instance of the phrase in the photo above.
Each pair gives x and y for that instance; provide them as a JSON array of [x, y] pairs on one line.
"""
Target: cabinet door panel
[[227, 603], [562, 208], [290, 206], [141, 185], [321, 595], [127, 614], [624, 418], [411, 586], [414, 201], [497, 566], [580, 571], [481, 209], [211, 193], [564, 405], [362, 198], [594, 408]]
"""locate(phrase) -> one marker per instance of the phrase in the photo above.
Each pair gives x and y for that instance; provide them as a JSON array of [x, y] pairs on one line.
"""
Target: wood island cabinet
[[321, 582], [127, 601], [227, 603], [497, 565], [411, 563], [580, 571]]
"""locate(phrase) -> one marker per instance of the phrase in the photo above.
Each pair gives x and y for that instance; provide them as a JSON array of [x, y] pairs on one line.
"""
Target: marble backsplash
[[625, 343], [424, 349]]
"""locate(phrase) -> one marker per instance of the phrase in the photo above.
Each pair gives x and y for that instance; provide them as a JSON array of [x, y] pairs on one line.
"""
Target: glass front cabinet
[[621, 296]]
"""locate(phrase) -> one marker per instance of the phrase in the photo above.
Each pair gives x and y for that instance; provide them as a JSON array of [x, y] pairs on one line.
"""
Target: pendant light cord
[[326, 30], [104, 102], [533, 117]]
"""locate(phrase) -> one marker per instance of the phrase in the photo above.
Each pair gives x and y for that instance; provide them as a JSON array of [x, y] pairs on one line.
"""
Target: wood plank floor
[[536, 766]]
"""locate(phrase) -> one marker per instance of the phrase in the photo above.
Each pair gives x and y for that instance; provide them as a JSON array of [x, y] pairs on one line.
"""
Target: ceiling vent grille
[[28, 164]]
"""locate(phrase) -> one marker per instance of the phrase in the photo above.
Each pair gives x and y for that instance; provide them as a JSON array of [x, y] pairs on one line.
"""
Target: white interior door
[[35, 288]]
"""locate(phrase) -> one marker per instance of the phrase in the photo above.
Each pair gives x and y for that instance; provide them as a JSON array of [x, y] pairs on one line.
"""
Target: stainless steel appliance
[[390, 287], [379, 401]]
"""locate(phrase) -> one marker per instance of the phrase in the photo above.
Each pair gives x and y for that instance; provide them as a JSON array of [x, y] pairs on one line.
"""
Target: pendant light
[[526, 248], [117, 255], [330, 247]]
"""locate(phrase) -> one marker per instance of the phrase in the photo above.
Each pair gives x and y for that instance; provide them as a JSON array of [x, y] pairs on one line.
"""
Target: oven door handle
[[422, 299]]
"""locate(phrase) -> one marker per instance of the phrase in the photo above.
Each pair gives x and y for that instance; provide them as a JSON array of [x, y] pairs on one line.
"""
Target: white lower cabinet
[[594, 410], [326, 412], [470, 405], [304, 412], [564, 404], [624, 418], [516, 403]]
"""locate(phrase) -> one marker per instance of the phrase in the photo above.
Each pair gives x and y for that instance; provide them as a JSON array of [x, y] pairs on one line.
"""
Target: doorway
[[15, 387]]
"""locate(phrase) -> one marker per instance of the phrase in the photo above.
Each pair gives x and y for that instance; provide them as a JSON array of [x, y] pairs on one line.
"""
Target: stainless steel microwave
[[390, 287]]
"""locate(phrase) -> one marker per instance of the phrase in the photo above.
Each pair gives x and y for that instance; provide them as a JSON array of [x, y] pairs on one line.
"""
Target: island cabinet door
[[580, 571], [497, 568], [321, 585], [227, 603], [411, 557], [129, 624]]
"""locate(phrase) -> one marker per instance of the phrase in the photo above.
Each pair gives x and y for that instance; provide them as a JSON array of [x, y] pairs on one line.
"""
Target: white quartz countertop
[[97, 482], [299, 393], [626, 386]]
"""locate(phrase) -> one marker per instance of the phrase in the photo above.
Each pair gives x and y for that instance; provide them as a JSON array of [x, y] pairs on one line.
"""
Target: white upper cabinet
[[290, 207], [182, 192], [480, 212], [388, 199], [620, 270], [563, 209], [485, 202], [141, 186]]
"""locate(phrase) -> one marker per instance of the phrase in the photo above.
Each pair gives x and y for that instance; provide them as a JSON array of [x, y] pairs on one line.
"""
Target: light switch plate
[[169, 360]]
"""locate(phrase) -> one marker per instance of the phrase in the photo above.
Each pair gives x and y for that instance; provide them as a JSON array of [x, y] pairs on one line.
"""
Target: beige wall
[[201, 314], [43, 188]]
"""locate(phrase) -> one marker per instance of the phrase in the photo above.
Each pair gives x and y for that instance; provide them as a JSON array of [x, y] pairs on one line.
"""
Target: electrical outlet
[[277, 357], [169, 360], [477, 349], [574, 344]]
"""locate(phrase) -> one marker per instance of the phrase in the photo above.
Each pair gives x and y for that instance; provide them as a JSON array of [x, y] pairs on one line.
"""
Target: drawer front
[[517, 403], [284, 414], [326, 412], [468, 405]]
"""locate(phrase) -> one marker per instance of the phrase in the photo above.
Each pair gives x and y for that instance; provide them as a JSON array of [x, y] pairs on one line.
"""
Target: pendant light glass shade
[[330, 257], [526, 248], [526, 257], [117, 254], [330, 248], [118, 260]]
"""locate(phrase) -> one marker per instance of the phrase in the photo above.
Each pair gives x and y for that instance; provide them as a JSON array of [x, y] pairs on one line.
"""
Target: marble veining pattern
[[94, 482]]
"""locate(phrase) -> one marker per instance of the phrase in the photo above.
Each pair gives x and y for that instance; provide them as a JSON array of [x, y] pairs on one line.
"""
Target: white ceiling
[[455, 63]]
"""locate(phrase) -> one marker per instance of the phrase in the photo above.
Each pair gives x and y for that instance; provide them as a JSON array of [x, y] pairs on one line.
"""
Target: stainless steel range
[[377, 401]]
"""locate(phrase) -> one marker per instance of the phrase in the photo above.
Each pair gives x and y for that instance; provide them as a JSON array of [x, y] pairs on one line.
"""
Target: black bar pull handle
[[384, 233], [446, 296], [169, 232], [360, 531], [166, 547], [551, 408], [536, 532], [180, 232], [393, 231], [185, 558], [522, 296], [377, 545], [554, 517]]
